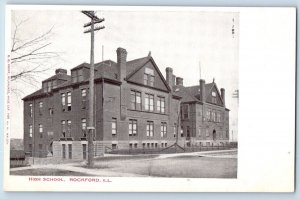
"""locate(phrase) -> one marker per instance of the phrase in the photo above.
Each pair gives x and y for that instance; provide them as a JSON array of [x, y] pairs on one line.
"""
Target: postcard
[[139, 99]]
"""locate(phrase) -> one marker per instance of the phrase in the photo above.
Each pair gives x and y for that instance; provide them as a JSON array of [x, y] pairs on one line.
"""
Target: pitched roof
[[34, 94], [106, 69], [184, 93], [192, 93], [134, 65], [59, 76], [84, 64]]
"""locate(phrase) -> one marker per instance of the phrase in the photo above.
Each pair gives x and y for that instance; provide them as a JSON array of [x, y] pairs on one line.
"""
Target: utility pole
[[91, 126]]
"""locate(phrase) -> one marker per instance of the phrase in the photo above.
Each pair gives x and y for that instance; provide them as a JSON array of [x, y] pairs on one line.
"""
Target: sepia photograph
[[108, 94], [86, 106]]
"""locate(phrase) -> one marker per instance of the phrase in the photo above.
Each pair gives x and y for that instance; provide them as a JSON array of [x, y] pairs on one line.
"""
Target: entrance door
[[214, 135]]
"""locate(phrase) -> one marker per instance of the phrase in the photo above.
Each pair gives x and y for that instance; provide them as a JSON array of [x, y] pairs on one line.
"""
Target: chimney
[[169, 77], [121, 62], [202, 90], [223, 95], [60, 71], [173, 79], [179, 81]]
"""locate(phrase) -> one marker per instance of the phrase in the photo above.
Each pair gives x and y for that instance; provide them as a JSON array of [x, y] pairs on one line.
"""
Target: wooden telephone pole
[[91, 126]]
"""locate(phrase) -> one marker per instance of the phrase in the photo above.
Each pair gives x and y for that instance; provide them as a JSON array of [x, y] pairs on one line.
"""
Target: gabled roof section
[[192, 93], [209, 88], [134, 66]]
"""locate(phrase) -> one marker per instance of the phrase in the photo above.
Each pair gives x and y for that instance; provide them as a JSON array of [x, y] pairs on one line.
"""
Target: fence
[[170, 149]]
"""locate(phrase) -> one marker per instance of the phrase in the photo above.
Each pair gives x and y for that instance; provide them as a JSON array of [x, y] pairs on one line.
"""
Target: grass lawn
[[180, 166], [46, 172]]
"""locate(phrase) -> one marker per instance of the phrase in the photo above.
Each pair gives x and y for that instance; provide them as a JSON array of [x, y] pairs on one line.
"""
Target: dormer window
[[149, 77], [214, 97], [77, 76], [49, 85]]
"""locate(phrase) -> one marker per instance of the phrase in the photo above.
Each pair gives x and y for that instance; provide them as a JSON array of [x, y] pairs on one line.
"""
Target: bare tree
[[30, 57]]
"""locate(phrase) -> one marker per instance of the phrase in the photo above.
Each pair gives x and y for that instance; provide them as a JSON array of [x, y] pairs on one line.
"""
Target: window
[[51, 111], [45, 87], [40, 107], [213, 116], [69, 101], [188, 131], [30, 130], [84, 98], [69, 128], [74, 76], [80, 75], [227, 133], [40, 128], [77, 75], [30, 110], [63, 151], [84, 151], [162, 145], [214, 97], [54, 84], [63, 128], [70, 150], [149, 102], [175, 130], [130, 146], [185, 111], [218, 117], [63, 99], [144, 144], [135, 100], [156, 145], [208, 115], [132, 127], [49, 86], [150, 126], [181, 131], [114, 126], [206, 132], [40, 150], [30, 150], [83, 93], [166, 144], [114, 146], [83, 126], [199, 132], [221, 135], [135, 145], [161, 104], [149, 77], [163, 130], [148, 145]]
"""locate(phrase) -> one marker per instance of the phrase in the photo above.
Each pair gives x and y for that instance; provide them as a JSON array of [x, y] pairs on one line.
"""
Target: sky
[[182, 40]]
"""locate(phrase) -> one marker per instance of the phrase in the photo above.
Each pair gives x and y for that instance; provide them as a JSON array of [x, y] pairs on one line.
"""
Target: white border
[[266, 112]]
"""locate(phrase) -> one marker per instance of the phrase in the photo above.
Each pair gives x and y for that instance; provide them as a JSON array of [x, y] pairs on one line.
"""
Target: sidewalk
[[75, 167]]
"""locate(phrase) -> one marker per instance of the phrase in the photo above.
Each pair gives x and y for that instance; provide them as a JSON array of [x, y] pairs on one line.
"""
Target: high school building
[[135, 107]]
